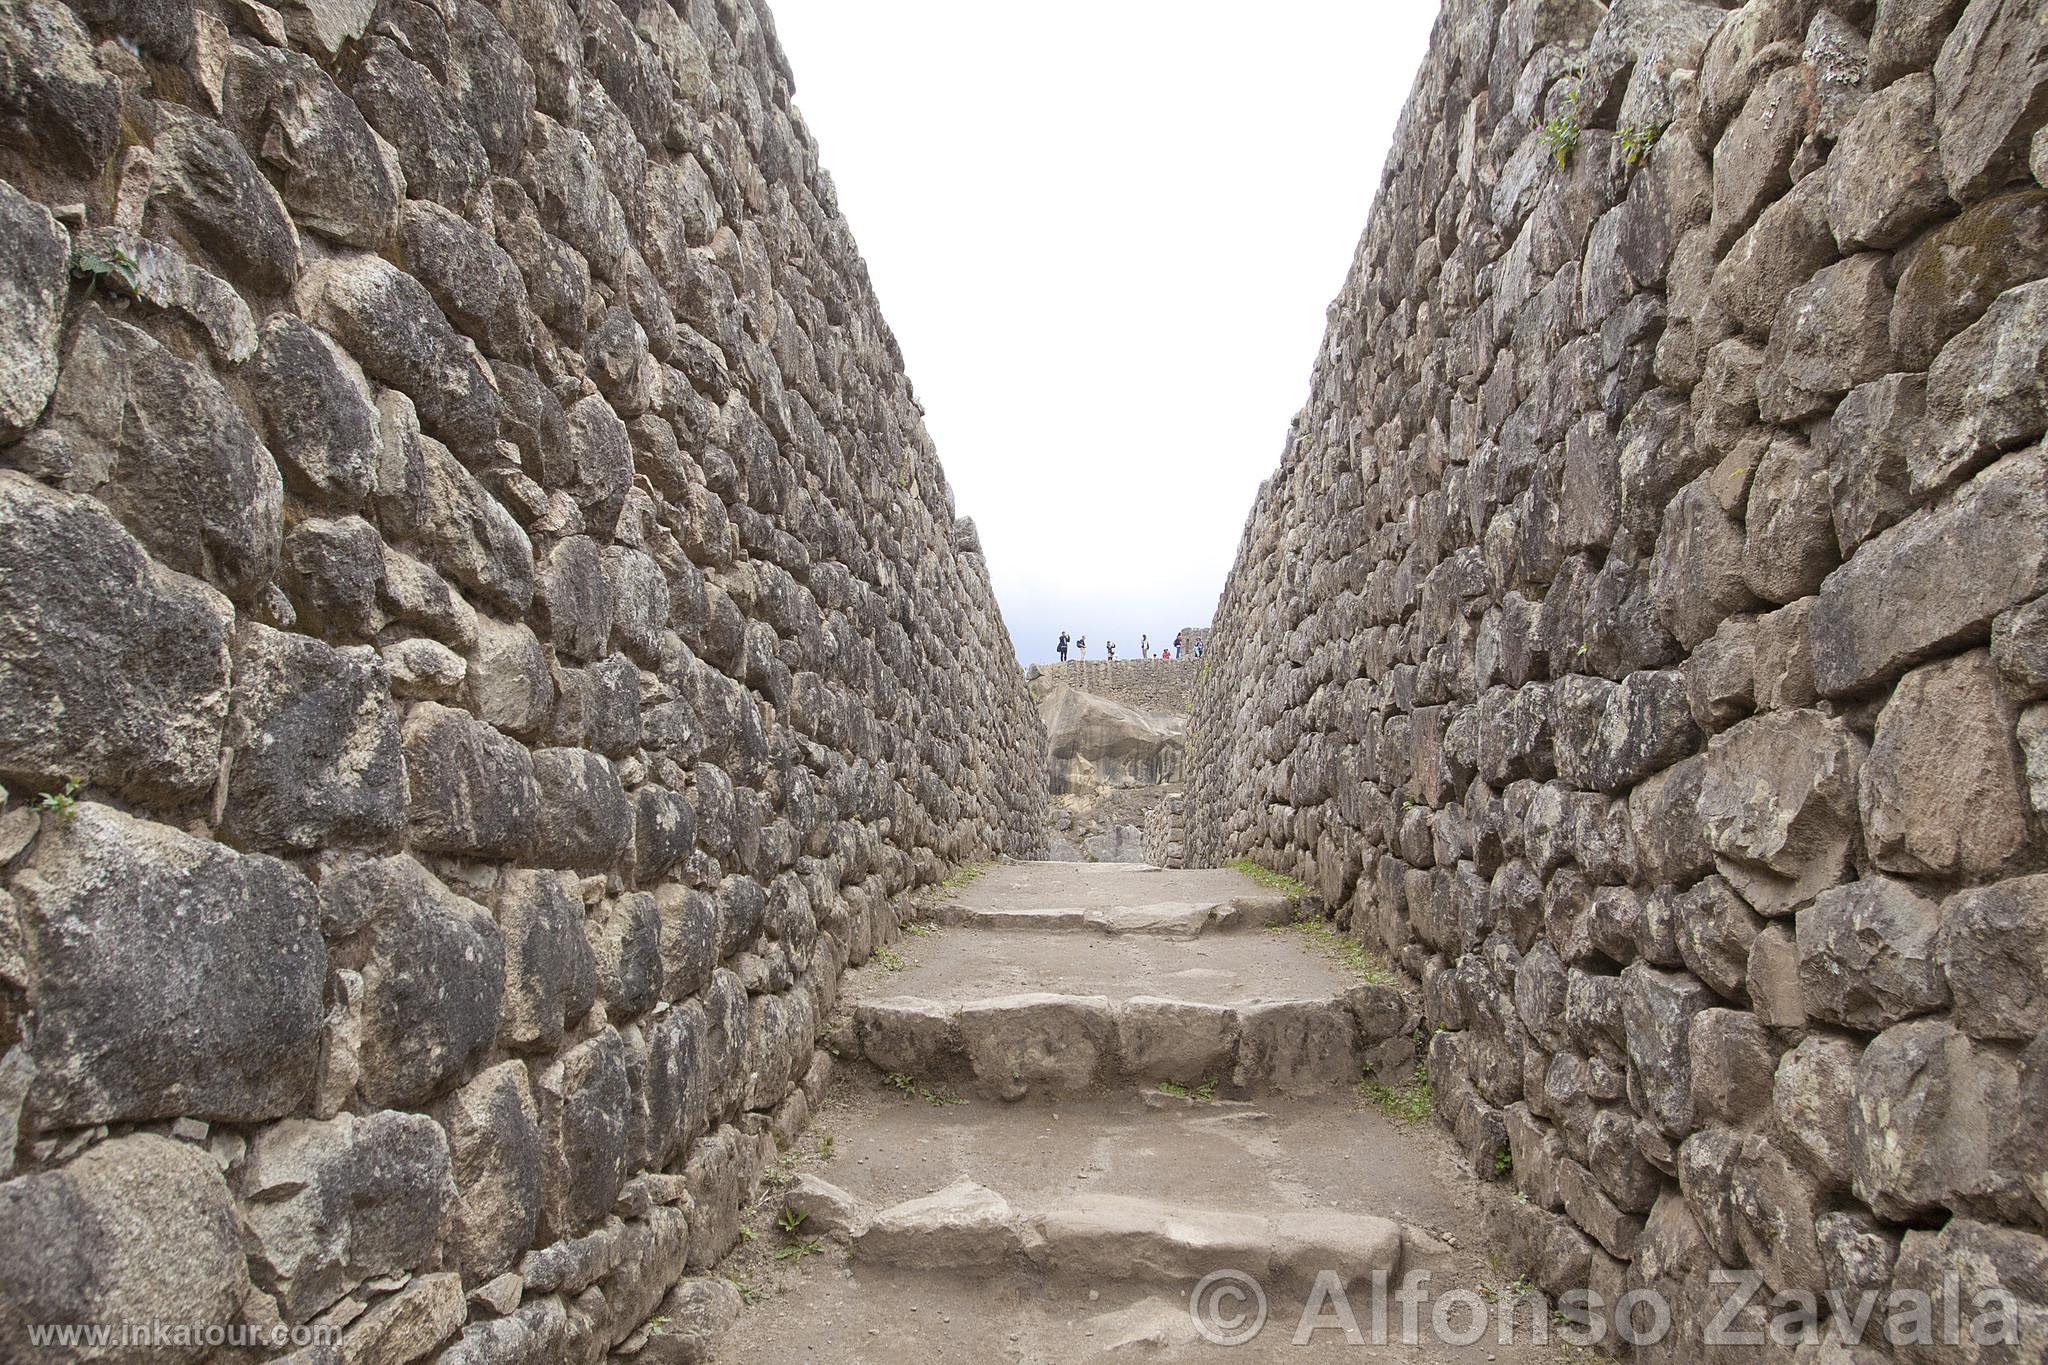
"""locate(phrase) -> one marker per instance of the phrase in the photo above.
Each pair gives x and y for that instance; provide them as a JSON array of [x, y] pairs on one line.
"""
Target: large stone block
[[1991, 93], [1935, 580], [1931, 1114], [1778, 801], [494, 1149], [393, 328], [550, 971], [215, 957], [313, 742], [32, 288], [117, 669], [1867, 955], [1953, 275], [316, 411], [161, 443], [472, 790], [1885, 179], [1812, 1100], [1062, 1044], [1942, 792], [331, 1205], [1987, 392], [1657, 1010], [1991, 1280], [1993, 948], [433, 974], [139, 1229], [584, 1104], [586, 822]]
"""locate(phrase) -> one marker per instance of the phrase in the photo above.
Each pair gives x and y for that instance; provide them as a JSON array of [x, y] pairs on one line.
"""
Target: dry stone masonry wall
[[1643, 638], [484, 641]]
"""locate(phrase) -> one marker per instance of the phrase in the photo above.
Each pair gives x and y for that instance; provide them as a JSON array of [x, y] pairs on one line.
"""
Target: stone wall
[[484, 641], [1162, 686], [1166, 832], [1643, 636]]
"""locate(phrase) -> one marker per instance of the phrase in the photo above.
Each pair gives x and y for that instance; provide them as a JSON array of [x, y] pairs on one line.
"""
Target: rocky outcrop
[[1638, 638], [1095, 743], [485, 640], [1117, 738]]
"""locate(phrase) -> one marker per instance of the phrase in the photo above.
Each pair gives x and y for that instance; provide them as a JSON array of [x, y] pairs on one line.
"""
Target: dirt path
[[1092, 1213]]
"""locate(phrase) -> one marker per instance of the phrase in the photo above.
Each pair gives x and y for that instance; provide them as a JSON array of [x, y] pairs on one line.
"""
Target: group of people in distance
[[1079, 645]]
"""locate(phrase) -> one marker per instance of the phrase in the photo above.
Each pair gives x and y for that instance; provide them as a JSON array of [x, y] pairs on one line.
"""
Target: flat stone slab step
[[1164, 919], [1036, 952], [969, 1227], [1009, 1047]]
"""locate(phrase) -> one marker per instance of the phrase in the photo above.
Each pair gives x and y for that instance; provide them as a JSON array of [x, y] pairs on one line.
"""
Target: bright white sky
[[1104, 233]]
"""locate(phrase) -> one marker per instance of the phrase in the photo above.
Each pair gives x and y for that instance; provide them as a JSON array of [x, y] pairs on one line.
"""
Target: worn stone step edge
[[1008, 1047], [1162, 919], [968, 1227]]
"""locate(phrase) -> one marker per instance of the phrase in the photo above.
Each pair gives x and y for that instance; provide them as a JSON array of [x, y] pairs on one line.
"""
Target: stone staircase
[[1070, 1095]]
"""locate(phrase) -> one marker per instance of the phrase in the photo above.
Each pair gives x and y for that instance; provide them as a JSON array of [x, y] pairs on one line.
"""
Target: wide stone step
[[969, 1228], [1164, 919], [1008, 1047]]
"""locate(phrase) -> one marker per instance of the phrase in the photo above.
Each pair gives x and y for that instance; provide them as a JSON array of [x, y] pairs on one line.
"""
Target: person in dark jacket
[[1064, 642]]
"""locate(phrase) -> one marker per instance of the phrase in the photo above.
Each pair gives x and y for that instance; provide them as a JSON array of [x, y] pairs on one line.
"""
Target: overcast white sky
[[1104, 232]]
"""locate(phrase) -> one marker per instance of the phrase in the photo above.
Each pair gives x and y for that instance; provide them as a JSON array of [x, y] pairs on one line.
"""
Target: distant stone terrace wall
[[1162, 686], [1643, 638], [1166, 832], [466, 532]]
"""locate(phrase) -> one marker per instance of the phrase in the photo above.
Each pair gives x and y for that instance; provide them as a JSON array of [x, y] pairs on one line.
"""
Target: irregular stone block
[[1993, 948], [1991, 93], [1657, 1011], [316, 411], [494, 1150], [964, 1226], [1867, 955], [1812, 1099], [137, 1229], [1928, 1120], [332, 1205], [1173, 1040], [32, 289], [314, 746], [391, 325], [117, 669], [204, 187], [1884, 179], [550, 971], [162, 444], [586, 822], [1778, 801], [1987, 392], [1953, 275], [472, 790], [584, 1101], [1935, 580], [433, 979], [217, 957], [1942, 793], [1014, 1043]]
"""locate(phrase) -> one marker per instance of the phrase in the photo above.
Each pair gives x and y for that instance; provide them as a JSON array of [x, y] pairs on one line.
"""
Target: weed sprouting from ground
[[889, 960], [1410, 1102], [1201, 1094], [915, 1089], [1367, 963], [1268, 878], [964, 876]]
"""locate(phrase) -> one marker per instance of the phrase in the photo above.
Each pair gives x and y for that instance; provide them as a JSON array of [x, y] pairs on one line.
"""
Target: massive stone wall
[[1643, 637], [484, 640]]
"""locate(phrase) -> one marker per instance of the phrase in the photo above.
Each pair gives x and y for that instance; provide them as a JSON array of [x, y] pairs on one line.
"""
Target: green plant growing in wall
[[63, 803], [115, 269], [1637, 143], [1560, 135]]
